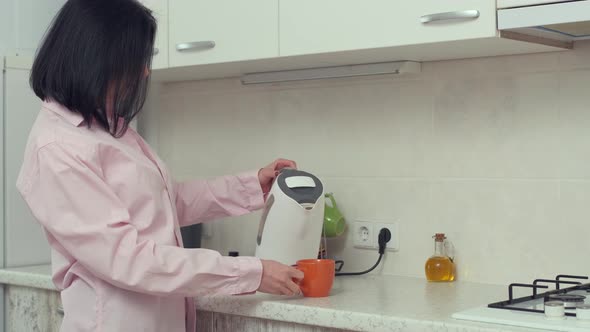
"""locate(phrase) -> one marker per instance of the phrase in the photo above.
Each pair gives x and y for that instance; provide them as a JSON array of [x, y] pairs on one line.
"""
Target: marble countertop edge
[[340, 319], [38, 276], [376, 308]]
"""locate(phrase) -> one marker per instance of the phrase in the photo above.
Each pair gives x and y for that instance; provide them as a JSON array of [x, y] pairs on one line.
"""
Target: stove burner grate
[[570, 301]]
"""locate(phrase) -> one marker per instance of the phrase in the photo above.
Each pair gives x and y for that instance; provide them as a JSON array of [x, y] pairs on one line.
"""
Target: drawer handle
[[156, 51], [60, 310], [450, 16], [195, 46]]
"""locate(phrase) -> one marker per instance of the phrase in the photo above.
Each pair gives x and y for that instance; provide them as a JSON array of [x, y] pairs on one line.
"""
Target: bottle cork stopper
[[439, 237]]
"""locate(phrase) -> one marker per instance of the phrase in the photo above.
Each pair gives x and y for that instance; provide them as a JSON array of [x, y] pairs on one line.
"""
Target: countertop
[[373, 303], [37, 276], [366, 303]]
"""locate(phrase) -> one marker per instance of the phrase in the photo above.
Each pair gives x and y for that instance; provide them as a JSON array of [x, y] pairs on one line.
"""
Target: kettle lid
[[303, 187]]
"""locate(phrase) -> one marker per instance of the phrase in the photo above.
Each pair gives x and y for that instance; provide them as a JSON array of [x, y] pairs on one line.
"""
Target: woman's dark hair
[[93, 60]]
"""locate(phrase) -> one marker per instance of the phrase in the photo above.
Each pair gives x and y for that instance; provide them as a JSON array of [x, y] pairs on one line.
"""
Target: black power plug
[[384, 237]]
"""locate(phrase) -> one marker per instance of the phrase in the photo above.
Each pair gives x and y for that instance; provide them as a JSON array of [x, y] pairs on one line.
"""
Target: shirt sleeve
[[69, 198], [204, 200]]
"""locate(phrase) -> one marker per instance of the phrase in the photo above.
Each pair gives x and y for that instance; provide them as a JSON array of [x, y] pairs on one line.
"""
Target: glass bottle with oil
[[440, 267]]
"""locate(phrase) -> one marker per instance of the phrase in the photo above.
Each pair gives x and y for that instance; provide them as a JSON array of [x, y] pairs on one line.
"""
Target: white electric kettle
[[291, 224]]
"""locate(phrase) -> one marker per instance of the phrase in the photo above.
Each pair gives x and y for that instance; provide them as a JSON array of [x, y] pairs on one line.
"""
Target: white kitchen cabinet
[[309, 26], [27, 22], [32, 309], [2, 186], [160, 11], [7, 35], [215, 31], [215, 39], [25, 243]]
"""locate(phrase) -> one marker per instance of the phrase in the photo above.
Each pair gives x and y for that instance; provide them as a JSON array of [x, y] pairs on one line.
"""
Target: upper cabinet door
[[214, 31], [311, 26], [160, 12], [24, 23], [24, 241]]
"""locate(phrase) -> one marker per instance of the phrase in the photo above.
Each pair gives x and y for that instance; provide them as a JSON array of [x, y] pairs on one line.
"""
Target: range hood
[[545, 21]]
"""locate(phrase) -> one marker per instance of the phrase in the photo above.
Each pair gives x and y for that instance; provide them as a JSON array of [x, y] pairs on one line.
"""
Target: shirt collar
[[72, 117]]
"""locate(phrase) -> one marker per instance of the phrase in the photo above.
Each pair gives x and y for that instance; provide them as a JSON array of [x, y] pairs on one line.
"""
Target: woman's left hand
[[267, 174]]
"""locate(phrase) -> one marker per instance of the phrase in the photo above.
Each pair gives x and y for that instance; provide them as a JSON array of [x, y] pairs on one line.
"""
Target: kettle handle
[[331, 197]]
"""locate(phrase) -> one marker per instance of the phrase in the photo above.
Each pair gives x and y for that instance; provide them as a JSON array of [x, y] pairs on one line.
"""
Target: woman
[[107, 204]]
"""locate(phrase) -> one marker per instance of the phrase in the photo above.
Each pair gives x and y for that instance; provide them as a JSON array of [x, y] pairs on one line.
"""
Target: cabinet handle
[[195, 46], [450, 16], [60, 310], [156, 51]]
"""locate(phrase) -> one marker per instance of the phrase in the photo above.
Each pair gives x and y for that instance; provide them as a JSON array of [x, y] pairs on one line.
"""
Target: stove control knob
[[583, 312], [554, 310]]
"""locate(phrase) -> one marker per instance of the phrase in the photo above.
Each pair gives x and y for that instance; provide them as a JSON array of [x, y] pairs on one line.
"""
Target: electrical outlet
[[393, 244], [363, 235]]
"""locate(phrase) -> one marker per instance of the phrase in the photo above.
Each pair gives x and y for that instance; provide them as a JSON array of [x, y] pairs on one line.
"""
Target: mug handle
[[330, 196]]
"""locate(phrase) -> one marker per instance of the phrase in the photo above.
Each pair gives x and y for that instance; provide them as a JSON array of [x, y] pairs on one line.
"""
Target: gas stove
[[560, 304]]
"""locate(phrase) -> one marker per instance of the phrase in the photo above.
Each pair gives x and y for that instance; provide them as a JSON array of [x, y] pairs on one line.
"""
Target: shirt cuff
[[253, 190], [250, 272]]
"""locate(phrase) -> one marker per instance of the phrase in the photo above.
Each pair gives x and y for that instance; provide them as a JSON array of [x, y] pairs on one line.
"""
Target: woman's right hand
[[278, 278]]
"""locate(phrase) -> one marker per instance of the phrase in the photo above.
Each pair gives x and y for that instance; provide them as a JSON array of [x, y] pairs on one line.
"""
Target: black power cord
[[384, 237]]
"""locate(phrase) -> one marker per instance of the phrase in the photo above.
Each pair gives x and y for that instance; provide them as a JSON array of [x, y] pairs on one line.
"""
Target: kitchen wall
[[494, 152]]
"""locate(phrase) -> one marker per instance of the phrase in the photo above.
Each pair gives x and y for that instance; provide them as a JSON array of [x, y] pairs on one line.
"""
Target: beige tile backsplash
[[495, 152]]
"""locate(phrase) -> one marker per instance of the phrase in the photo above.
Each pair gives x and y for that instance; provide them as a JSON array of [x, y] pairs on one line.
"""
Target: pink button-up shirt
[[112, 216]]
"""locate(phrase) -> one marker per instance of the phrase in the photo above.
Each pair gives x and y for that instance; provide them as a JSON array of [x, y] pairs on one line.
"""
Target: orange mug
[[318, 276]]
